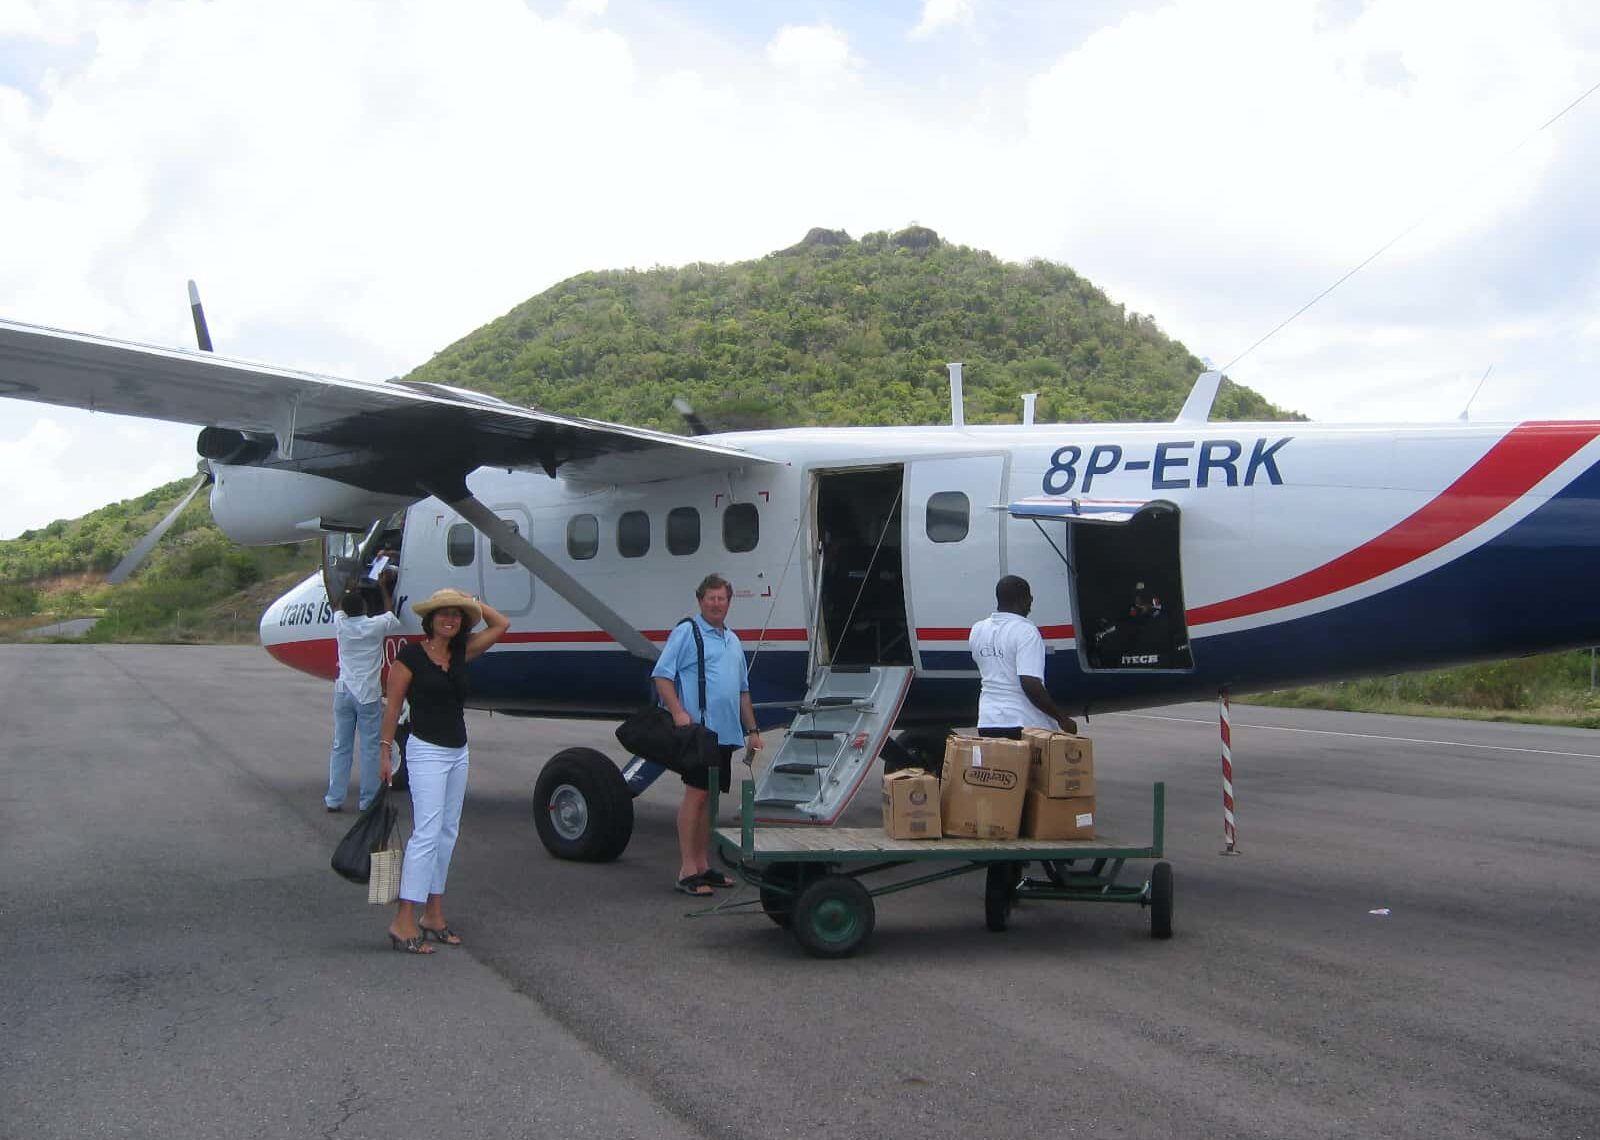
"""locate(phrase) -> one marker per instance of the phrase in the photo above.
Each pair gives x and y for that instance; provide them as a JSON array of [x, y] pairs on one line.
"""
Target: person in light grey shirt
[[357, 694]]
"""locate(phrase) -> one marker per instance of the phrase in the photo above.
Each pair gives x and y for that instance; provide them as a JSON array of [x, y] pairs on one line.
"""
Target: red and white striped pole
[[1230, 836]]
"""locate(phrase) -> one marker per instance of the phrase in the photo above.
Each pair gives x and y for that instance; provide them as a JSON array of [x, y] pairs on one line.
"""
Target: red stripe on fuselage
[[319, 657], [1527, 454]]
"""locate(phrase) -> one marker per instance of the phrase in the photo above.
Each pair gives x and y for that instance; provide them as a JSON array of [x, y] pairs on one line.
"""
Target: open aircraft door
[[1127, 578], [953, 543]]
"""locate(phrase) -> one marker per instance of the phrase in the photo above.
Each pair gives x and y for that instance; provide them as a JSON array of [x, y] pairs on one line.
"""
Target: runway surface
[[179, 961]]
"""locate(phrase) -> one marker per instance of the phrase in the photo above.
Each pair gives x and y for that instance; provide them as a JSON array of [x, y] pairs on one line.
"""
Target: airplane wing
[[77, 370]]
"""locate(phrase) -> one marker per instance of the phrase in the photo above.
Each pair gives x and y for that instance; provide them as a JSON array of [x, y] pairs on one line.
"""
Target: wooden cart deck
[[807, 843]]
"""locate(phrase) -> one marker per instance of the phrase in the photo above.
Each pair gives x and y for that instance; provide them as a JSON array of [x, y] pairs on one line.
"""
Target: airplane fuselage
[[1298, 552]]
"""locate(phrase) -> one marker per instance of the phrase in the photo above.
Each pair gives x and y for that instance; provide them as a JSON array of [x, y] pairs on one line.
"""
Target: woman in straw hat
[[432, 675]]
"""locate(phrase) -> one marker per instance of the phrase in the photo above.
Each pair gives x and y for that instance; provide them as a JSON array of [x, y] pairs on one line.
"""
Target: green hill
[[834, 331]]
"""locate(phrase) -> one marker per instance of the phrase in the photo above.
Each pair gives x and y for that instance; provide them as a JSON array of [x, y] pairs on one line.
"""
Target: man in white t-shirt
[[357, 695], [1010, 657]]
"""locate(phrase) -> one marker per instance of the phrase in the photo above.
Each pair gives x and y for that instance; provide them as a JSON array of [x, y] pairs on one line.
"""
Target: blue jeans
[[349, 715]]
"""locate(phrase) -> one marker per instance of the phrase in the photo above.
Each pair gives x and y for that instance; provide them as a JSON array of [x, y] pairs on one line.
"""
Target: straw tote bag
[[383, 887]]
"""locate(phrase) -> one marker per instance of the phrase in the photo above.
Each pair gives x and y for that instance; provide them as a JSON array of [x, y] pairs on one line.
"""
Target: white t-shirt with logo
[[361, 653], [1007, 646]]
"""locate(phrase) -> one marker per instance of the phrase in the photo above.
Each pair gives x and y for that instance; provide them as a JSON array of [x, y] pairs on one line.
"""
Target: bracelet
[[382, 743], [751, 731]]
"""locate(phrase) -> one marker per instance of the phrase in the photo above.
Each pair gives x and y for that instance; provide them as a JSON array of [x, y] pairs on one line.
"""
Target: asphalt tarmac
[[179, 961]]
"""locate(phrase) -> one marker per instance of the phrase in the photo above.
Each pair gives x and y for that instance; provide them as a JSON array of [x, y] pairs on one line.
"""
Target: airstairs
[[830, 747]]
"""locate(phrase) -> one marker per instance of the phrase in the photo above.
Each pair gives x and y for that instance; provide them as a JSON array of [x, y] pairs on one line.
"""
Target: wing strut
[[541, 567]]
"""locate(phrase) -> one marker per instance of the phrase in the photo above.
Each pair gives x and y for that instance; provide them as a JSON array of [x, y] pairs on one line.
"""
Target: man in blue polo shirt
[[728, 714]]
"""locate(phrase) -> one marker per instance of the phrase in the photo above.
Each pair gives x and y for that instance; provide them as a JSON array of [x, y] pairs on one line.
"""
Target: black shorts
[[1001, 733], [701, 777]]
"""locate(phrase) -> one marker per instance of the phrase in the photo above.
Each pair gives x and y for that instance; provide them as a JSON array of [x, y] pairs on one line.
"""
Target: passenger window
[[583, 537], [633, 534], [500, 557], [460, 542], [683, 530], [741, 527], [948, 514]]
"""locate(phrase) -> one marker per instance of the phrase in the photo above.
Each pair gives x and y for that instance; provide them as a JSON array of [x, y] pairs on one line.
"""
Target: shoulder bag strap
[[700, 652]]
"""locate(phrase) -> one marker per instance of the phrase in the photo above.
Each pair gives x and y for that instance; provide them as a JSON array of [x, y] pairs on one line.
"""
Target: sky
[[356, 185]]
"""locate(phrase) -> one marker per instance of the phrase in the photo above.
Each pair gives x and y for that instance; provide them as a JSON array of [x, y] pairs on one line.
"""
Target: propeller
[[141, 549], [691, 418]]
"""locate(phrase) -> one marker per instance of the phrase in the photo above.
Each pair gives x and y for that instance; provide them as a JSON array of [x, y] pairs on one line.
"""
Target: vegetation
[[196, 586], [834, 331], [1552, 688]]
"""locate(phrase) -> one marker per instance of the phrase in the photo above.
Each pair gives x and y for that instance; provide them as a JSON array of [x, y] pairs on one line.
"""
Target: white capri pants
[[438, 788]]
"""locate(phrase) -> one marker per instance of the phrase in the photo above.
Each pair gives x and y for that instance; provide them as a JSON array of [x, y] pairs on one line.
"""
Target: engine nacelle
[[263, 506]]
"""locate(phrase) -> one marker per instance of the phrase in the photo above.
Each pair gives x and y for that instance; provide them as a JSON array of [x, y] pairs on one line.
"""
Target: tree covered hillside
[[834, 331]]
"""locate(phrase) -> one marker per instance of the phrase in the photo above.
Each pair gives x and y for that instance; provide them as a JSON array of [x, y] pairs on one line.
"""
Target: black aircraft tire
[[999, 894], [1161, 900], [833, 917], [582, 808]]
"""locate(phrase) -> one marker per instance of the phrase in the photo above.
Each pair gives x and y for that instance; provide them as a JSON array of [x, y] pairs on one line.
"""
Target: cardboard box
[[981, 794], [1061, 765], [1046, 818], [911, 804]]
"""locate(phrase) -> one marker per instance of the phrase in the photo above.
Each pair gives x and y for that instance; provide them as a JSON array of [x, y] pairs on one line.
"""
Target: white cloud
[[48, 470], [938, 15], [356, 187], [815, 52]]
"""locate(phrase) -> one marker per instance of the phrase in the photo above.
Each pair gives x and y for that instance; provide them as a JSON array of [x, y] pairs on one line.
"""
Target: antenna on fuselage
[[958, 411], [1475, 392], [1027, 408]]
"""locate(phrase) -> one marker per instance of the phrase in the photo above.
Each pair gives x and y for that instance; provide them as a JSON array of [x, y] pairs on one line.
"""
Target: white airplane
[[1168, 561]]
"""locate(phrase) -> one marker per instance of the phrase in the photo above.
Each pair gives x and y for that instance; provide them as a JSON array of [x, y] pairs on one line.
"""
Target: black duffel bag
[[352, 859], [651, 735]]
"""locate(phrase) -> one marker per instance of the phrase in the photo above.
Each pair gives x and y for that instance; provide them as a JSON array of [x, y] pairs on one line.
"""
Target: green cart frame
[[810, 879]]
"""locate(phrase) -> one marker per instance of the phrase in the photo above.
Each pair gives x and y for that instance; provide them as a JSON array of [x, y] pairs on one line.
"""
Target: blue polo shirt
[[727, 675]]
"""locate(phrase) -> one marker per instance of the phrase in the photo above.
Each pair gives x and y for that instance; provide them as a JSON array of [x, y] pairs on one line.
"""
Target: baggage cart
[[813, 881]]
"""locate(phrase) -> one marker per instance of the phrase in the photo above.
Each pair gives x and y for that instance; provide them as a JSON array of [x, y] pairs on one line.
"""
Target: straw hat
[[449, 598]]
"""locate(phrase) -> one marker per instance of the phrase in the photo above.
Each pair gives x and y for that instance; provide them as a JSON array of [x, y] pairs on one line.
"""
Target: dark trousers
[[1005, 733]]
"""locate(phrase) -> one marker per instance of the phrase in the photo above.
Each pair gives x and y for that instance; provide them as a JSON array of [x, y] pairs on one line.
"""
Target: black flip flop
[[690, 886], [715, 878]]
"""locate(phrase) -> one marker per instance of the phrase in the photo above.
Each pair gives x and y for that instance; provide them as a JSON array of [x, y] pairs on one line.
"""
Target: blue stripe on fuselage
[[1530, 589]]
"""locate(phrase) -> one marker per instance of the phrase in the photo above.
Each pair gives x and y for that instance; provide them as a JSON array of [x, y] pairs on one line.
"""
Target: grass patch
[[1552, 688]]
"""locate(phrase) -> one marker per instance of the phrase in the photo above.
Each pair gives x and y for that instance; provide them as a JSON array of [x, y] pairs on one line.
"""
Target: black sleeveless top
[[436, 696]]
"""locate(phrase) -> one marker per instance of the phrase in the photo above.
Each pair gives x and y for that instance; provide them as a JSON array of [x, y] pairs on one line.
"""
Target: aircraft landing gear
[[582, 807]]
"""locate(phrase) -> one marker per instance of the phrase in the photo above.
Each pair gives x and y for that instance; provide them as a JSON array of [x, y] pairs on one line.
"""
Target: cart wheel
[[832, 917], [777, 905], [1161, 900], [999, 894]]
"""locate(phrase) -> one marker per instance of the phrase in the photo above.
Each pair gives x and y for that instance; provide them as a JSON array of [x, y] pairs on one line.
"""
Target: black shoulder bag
[[651, 735]]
